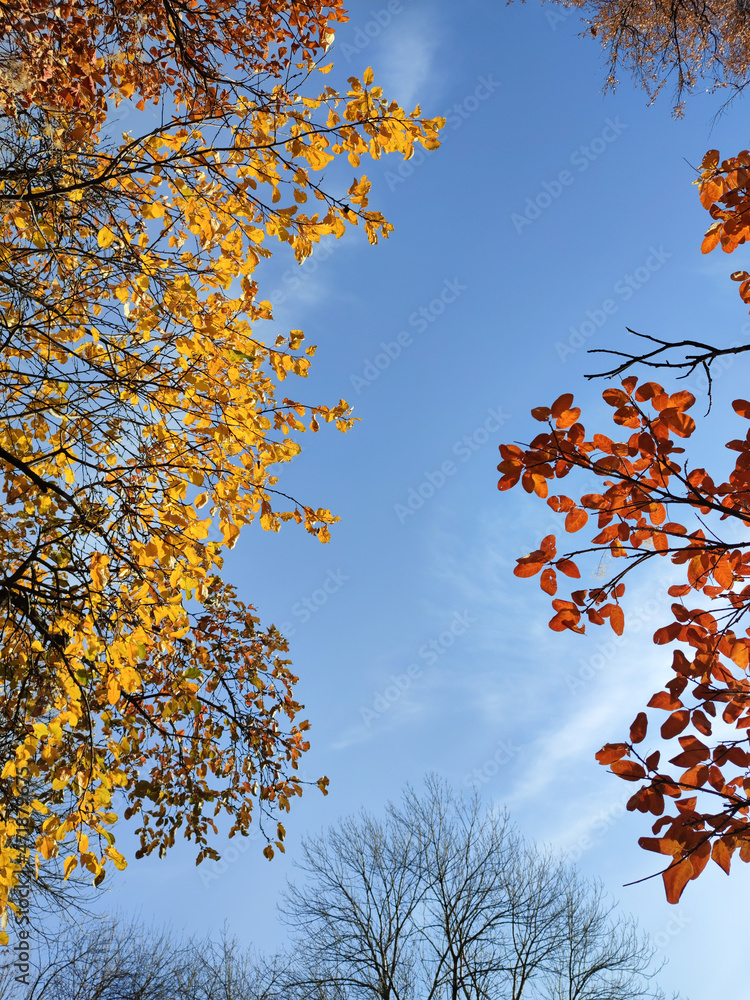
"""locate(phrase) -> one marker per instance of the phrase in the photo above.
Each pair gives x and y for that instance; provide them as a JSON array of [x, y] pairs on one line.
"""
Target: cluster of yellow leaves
[[140, 428]]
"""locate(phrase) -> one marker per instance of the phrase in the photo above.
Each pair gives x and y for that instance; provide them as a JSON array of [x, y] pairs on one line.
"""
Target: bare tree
[[442, 900], [114, 959], [438, 900], [354, 915]]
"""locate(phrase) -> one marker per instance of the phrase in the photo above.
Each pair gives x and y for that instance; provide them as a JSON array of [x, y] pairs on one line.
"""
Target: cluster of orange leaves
[[643, 481]]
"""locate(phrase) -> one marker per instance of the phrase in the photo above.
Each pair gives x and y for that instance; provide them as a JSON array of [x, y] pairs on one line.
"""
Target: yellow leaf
[[99, 570], [153, 211], [117, 859], [231, 533], [368, 76], [105, 238], [129, 679], [113, 691]]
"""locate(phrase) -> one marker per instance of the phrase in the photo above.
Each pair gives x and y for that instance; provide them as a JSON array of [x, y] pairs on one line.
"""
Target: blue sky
[[553, 217]]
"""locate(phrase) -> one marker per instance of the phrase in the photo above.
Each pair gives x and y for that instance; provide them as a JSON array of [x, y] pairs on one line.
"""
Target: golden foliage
[[140, 427]]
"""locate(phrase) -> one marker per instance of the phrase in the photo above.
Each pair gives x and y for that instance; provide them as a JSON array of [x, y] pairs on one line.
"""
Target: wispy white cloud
[[408, 53]]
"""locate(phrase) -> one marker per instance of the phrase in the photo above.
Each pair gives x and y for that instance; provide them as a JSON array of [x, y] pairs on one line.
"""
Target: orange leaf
[[665, 700], [667, 634], [656, 844], [602, 443], [568, 418], [548, 582], [682, 400], [548, 546], [615, 397], [740, 654], [562, 404], [648, 390], [617, 619], [527, 569], [569, 568], [742, 407], [566, 619], [722, 855], [575, 520], [638, 729], [611, 752], [628, 769], [676, 877], [711, 160], [711, 239], [676, 722], [541, 413]]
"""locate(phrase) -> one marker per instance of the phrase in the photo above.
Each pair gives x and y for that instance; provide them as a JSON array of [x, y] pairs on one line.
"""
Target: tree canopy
[[141, 426], [682, 42]]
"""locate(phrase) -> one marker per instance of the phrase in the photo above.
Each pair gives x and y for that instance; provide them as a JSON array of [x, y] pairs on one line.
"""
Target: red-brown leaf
[[561, 404], [630, 770], [611, 752], [638, 729], [548, 582], [569, 568], [676, 722], [722, 855]]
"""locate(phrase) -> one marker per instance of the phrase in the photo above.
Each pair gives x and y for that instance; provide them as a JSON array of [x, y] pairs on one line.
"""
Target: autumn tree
[[649, 503], [682, 42], [141, 426]]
